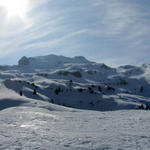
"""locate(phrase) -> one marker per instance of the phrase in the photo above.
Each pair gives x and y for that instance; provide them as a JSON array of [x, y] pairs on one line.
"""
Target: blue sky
[[114, 32]]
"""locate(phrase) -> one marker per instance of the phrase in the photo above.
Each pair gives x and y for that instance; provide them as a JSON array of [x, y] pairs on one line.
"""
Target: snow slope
[[55, 102], [79, 83], [30, 128]]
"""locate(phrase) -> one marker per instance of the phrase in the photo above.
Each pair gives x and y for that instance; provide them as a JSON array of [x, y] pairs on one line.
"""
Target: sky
[[114, 32]]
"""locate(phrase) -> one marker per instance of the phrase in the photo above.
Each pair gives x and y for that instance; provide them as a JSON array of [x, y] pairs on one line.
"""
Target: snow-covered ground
[[56, 102], [38, 128]]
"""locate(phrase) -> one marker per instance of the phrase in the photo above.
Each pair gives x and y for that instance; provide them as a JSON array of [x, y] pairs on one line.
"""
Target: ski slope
[[56, 102], [38, 128], [78, 83]]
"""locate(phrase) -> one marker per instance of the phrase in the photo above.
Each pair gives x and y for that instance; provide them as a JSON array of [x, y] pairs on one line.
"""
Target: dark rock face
[[23, 61]]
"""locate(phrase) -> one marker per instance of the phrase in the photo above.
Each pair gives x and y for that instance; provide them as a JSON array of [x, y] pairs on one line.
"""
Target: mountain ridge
[[79, 83], [52, 59]]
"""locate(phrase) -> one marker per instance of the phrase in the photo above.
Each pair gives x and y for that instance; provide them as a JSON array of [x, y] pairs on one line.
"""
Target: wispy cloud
[[104, 30]]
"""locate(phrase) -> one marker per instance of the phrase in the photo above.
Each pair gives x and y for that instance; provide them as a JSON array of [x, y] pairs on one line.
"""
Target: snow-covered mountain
[[79, 83], [47, 103], [50, 61]]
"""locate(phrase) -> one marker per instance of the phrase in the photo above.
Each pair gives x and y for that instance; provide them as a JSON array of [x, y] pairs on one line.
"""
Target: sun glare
[[15, 7]]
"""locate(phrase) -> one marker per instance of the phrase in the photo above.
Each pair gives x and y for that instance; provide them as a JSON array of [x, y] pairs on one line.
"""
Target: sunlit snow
[[59, 103]]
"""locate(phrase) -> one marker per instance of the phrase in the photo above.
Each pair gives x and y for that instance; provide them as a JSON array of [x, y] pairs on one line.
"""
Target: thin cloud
[[110, 29]]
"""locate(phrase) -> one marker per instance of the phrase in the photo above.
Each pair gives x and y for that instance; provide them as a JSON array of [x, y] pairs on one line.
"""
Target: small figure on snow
[[141, 106], [34, 92], [147, 107], [20, 93], [141, 89]]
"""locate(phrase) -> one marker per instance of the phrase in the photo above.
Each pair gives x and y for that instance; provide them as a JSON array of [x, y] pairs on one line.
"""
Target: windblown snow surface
[[55, 102]]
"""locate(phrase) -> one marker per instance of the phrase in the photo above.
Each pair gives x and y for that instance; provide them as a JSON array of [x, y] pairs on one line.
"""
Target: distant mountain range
[[79, 83]]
